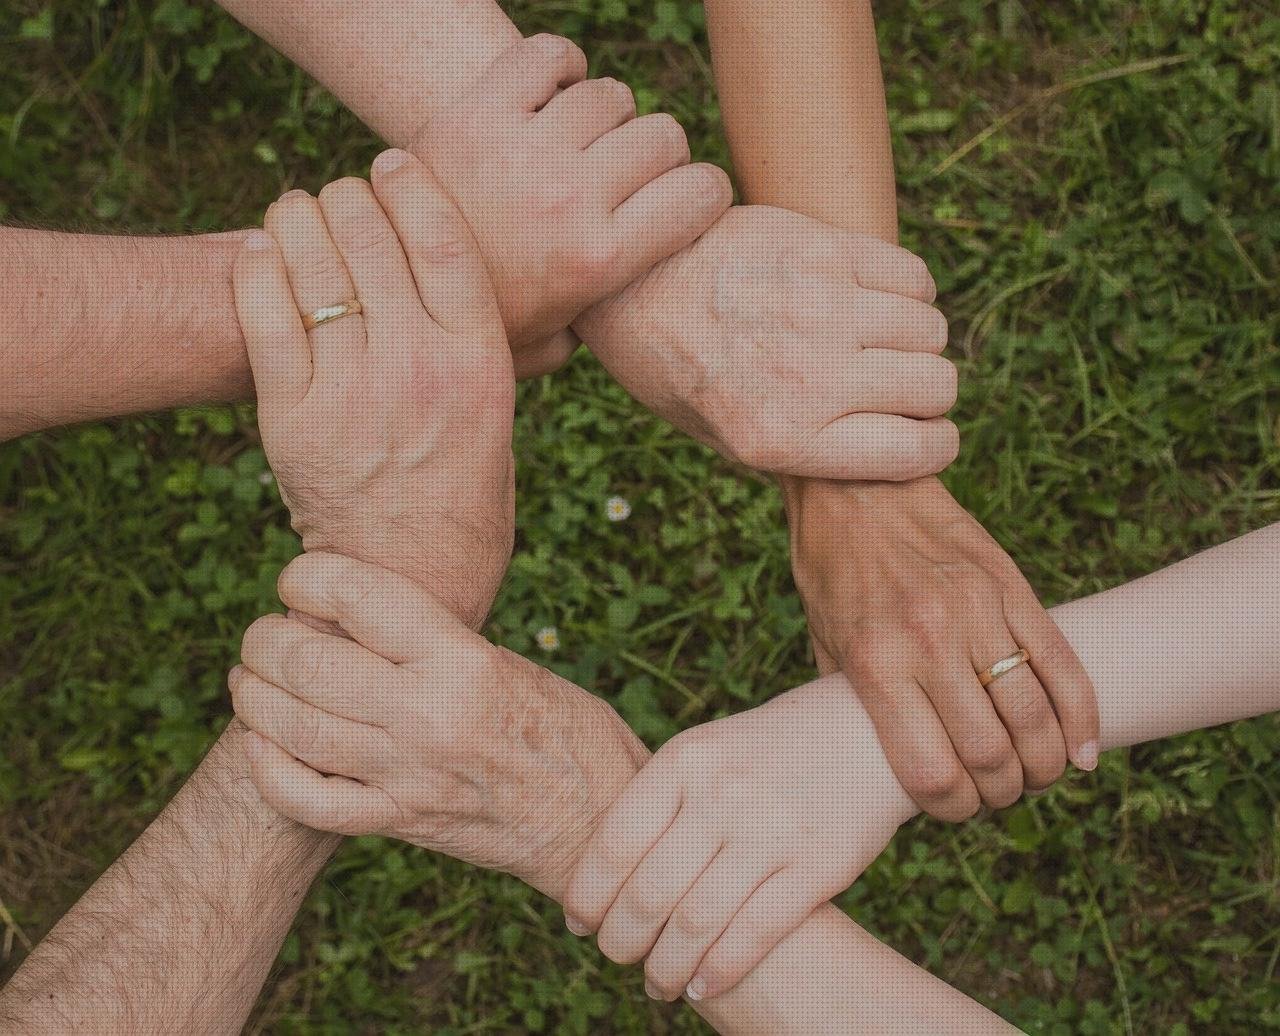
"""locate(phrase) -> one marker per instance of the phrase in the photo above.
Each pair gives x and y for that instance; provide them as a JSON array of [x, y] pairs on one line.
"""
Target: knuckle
[[644, 902], [924, 616], [305, 661], [617, 94], [921, 281], [938, 783], [987, 755], [597, 257], [937, 330], [1028, 712], [691, 748], [948, 384], [692, 923], [671, 132]]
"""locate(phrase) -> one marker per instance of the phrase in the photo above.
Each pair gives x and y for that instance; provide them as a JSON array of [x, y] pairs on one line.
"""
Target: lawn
[[1094, 184]]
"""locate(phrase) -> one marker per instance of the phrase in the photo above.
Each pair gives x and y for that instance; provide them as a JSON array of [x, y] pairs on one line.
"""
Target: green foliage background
[[1110, 255]]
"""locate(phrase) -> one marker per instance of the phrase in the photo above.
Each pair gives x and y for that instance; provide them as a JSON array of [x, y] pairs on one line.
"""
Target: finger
[[666, 215], [655, 887], [318, 278], [298, 792], [977, 733], [886, 381], [385, 612], [531, 71], [1062, 675], [585, 112], [638, 818], [279, 352], [321, 740], [636, 154], [874, 264], [447, 268], [885, 321], [374, 258], [877, 447], [773, 912], [700, 918], [328, 672], [1023, 707], [916, 745]]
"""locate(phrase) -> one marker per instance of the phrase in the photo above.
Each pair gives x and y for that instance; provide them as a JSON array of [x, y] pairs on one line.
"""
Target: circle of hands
[[789, 346]]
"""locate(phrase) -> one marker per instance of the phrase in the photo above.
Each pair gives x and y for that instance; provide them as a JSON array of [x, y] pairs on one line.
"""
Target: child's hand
[[389, 430], [732, 835], [417, 728], [569, 196]]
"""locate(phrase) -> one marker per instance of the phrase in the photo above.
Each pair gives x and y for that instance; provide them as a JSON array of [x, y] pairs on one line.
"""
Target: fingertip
[[1086, 756], [389, 161]]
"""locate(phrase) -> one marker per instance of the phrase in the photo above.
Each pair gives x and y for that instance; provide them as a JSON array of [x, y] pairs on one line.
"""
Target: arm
[[179, 933], [543, 759], [741, 792], [99, 326], [925, 598], [569, 201]]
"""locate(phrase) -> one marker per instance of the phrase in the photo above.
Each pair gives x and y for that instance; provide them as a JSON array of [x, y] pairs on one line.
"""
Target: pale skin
[[391, 737], [905, 592], [868, 413], [502, 804]]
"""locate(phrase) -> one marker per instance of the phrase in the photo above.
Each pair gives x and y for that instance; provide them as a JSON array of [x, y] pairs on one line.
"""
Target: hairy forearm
[[98, 326], [179, 933], [392, 62]]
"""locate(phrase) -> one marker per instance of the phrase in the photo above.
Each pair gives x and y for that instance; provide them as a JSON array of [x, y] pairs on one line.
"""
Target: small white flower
[[617, 509], [266, 478], [548, 638]]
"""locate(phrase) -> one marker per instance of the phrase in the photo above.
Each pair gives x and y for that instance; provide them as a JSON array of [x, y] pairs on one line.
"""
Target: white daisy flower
[[548, 638], [616, 509]]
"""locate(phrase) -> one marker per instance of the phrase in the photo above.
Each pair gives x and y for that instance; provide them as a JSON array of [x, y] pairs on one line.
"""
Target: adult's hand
[[912, 599], [419, 729], [569, 196], [390, 431], [789, 346]]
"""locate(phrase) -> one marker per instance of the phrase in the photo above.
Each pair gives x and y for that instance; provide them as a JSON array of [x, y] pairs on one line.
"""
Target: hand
[[426, 732], [568, 194], [732, 835], [389, 432], [912, 599], [789, 346]]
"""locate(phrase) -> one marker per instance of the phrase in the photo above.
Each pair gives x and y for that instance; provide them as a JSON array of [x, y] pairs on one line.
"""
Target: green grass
[[1111, 256]]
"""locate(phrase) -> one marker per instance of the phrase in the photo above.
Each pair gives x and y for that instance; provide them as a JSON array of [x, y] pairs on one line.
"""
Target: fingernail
[[297, 192], [697, 988], [390, 160], [651, 991], [259, 242], [1087, 757], [576, 926]]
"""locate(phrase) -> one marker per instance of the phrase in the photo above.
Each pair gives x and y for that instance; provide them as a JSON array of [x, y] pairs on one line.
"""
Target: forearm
[[804, 111], [179, 933], [392, 62], [99, 326], [1194, 645]]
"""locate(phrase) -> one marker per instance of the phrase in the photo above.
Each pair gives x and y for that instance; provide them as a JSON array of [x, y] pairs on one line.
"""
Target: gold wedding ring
[[326, 313], [998, 669]]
